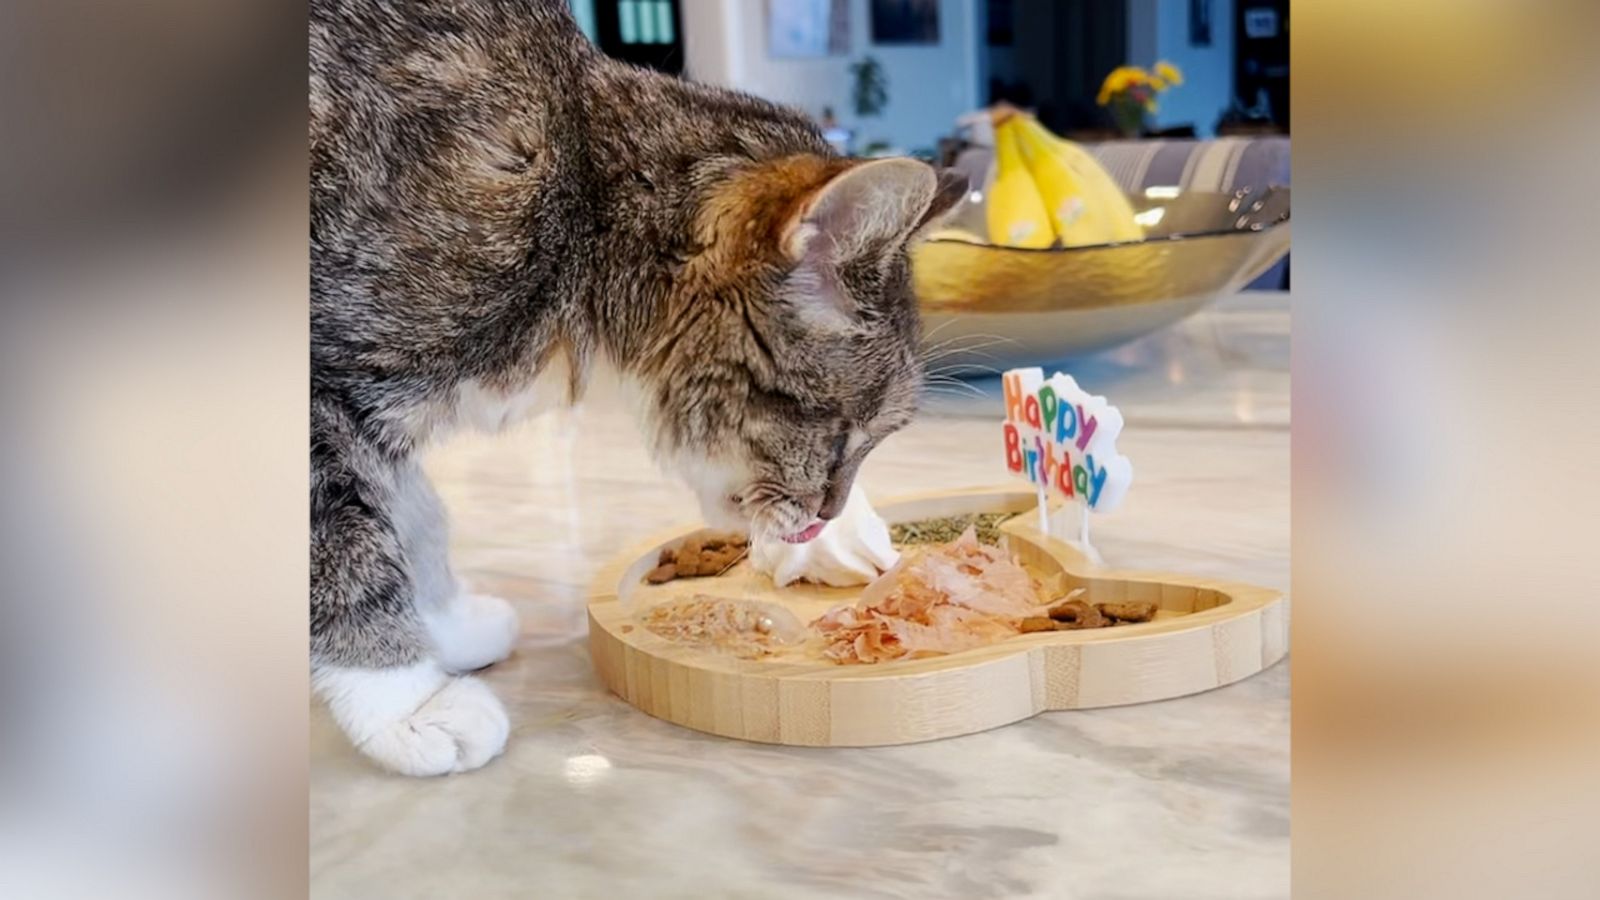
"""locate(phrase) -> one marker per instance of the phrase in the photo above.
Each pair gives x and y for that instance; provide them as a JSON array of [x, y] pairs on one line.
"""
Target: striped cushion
[[1222, 165]]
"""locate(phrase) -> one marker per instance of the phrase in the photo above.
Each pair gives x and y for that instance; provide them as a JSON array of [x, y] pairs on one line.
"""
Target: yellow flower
[[1122, 78], [1151, 106], [1169, 72], [1158, 84]]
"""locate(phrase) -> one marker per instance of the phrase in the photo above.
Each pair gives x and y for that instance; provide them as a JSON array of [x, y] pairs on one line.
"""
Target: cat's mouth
[[805, 534], [778, 515]]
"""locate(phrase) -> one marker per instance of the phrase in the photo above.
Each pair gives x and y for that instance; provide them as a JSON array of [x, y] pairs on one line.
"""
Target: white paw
[[457, 730], [416, 720], [473, 631]]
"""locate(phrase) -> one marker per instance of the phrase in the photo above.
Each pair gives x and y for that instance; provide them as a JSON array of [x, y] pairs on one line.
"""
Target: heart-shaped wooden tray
[[1207, 634]]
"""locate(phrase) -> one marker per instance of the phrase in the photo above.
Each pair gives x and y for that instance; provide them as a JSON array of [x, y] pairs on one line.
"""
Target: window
[[645, 21], [642, 32]]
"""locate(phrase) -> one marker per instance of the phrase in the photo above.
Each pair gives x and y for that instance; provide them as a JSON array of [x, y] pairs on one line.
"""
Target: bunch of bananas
[[1046, 189]]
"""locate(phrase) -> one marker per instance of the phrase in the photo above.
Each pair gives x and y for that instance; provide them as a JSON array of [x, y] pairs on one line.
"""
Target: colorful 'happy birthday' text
[[1058, 435]]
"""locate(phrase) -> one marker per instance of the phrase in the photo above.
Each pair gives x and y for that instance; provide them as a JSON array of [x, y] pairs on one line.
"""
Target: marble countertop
[[1183, 798]]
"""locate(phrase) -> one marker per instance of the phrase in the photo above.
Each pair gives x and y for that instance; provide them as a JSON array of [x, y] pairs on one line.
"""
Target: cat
[[497, 208]]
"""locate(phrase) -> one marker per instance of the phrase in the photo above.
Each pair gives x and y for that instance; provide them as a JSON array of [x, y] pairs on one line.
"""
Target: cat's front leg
[[471, 631], [467, 630], [416, 719], [376, 548]]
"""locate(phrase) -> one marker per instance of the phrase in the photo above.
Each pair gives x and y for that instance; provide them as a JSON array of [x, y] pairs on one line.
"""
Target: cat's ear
[[869, 204], [951, 190]]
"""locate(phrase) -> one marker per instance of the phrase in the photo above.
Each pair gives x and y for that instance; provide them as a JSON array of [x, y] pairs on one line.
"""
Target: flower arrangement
[[1130, 93]]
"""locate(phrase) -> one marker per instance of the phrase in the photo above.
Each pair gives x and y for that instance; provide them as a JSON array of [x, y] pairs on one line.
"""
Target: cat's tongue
[[806, 533]]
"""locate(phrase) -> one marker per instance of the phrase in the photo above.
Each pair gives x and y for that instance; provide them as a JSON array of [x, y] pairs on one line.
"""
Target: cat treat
[[1077, 614], [945, 529], [744, 628], [1122, 613], [945, 597], [941, 599], [1073, 614], [958, 636], [699, 557]]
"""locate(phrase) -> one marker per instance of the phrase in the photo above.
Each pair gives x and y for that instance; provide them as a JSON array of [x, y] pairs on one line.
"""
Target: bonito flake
[[937, 600]]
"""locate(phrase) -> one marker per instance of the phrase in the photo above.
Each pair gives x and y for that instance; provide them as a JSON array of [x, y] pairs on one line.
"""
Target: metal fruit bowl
[[1001, 306]]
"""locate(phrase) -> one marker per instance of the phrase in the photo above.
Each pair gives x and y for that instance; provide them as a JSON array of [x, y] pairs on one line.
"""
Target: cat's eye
[[840, 441]]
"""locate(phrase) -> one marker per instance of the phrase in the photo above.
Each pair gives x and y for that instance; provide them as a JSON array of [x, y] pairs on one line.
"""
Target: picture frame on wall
[[905, 21], [1199, 23], [807, 29]]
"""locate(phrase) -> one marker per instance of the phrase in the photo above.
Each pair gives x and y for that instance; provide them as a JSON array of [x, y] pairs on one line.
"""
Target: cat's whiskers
[[928, 336], [762, 498], [964, 369], [974, 349], [949, 390], [945, 347], [949, 381], [736, 560], [940, 378]]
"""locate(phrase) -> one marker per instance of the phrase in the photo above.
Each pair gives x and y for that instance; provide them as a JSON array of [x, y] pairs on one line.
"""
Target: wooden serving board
[[1207, 634]]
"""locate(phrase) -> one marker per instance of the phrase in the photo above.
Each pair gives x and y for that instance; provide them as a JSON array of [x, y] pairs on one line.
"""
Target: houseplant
[[869, 92]]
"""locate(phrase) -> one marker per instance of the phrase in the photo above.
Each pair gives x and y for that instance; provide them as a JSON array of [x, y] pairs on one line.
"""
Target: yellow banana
[[1109, 196], [1085, 205], [1015, 212], [1073, 213]]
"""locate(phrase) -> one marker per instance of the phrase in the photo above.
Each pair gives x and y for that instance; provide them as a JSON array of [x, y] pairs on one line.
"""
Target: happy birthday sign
[[1061, 437]]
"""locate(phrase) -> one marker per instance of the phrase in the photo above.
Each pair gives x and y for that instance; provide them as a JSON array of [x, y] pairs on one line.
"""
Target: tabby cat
[[497, 208]]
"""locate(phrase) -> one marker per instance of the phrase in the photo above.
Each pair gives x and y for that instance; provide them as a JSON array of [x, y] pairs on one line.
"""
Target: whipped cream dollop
[[852, 549]]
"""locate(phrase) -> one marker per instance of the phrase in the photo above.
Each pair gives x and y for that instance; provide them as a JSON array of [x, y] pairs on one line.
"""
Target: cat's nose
[[833, 502], [838, 491]]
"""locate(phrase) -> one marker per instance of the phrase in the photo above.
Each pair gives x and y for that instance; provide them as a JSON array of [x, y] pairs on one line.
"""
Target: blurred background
[[939, 59]]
